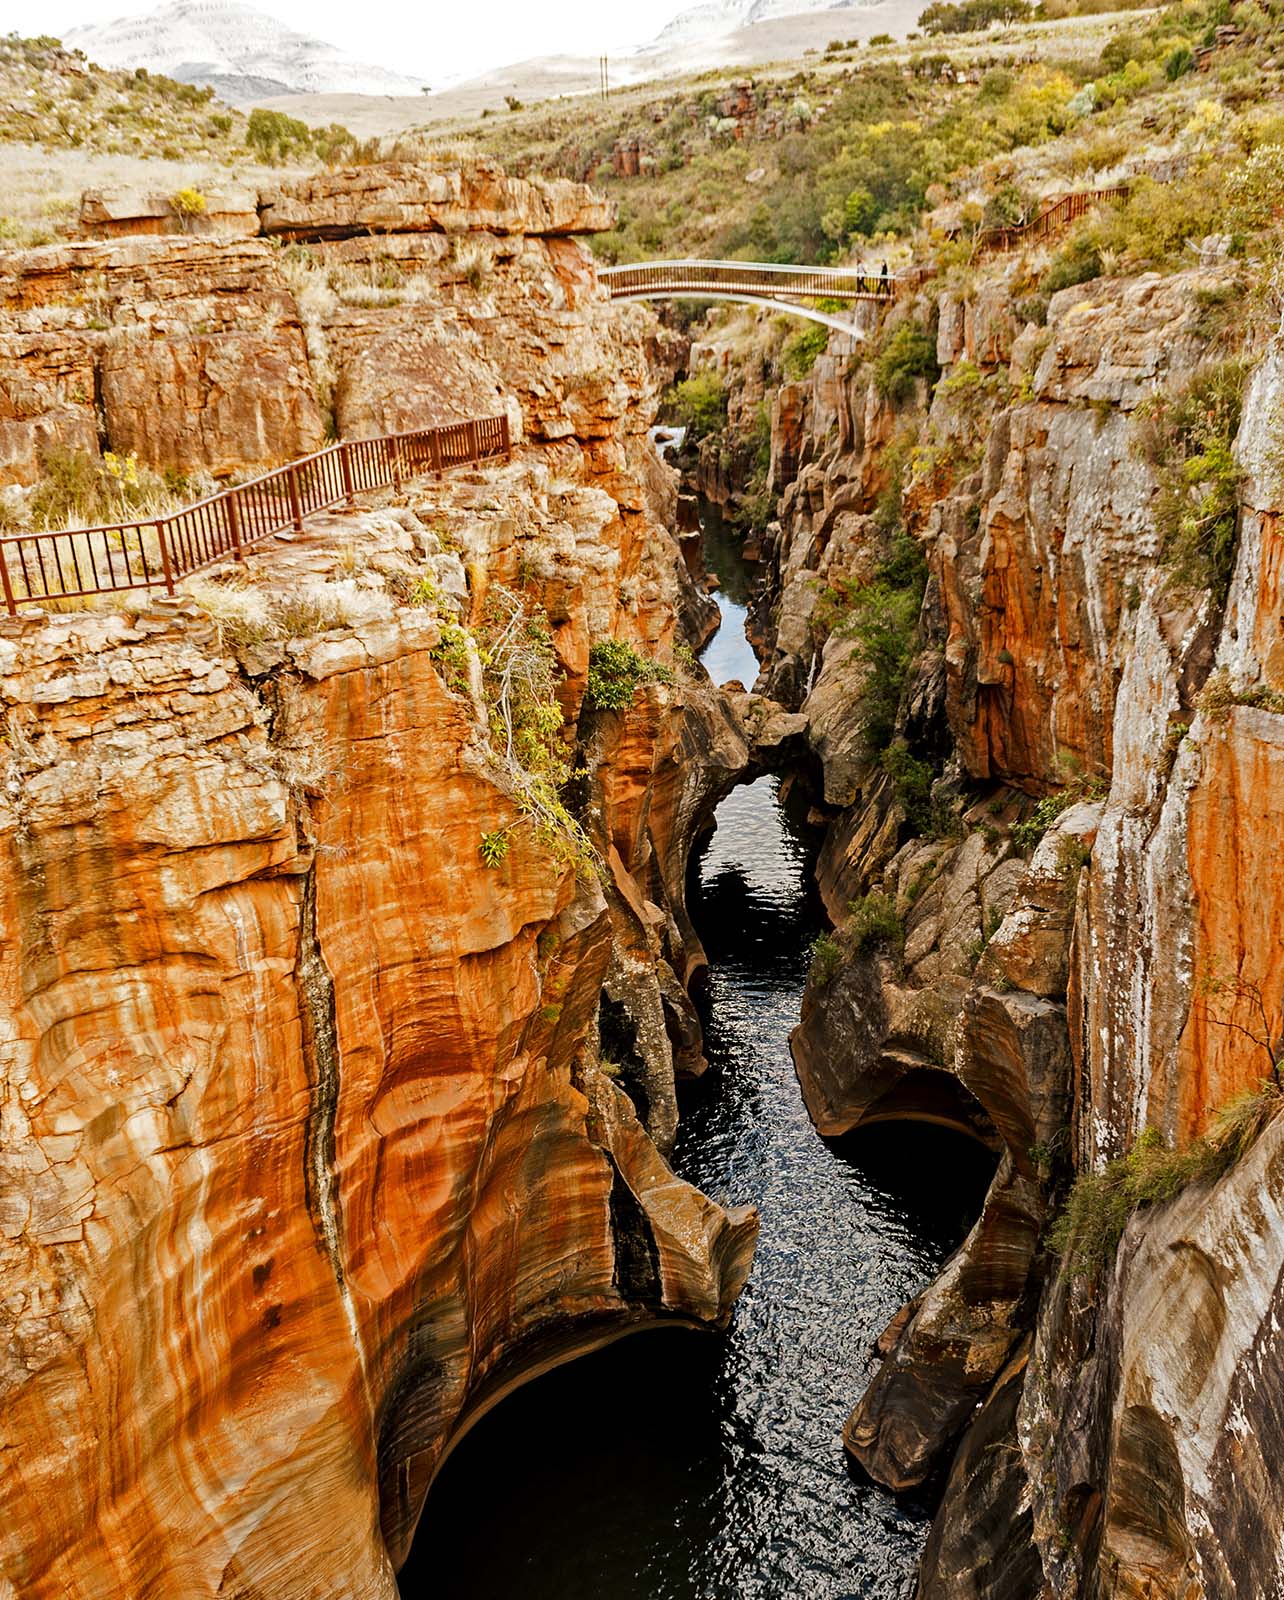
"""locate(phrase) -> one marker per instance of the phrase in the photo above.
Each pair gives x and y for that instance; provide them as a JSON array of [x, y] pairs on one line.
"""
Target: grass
[[40, 203], [80, 490], [1027, 833], [251, 615], [1220, 693], [1087, 1232]]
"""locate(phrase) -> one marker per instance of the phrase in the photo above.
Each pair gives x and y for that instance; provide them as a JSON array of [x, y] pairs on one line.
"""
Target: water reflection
[[728, 654]]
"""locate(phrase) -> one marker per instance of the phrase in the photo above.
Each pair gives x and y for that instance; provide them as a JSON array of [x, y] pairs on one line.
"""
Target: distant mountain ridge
[[242, 53]]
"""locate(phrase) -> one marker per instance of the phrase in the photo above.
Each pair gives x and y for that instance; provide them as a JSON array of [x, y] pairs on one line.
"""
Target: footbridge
[[756, 283]]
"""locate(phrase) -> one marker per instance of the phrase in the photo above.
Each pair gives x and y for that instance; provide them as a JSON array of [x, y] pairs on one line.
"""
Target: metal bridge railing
[[156, 553], [766, 279], [1055, 216]]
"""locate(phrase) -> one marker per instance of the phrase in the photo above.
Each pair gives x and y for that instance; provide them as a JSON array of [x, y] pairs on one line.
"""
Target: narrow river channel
[[676, 1466]]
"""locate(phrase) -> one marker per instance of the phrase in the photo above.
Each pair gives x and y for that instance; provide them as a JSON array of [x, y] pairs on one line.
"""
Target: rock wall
[[1121, 979], [310, 1146], [226, 352]]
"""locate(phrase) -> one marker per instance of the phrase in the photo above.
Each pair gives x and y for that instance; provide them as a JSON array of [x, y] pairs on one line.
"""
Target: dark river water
[[684, 1466]]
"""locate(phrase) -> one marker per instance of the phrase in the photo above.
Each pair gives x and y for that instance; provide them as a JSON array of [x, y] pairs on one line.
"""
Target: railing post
[[434, 449], [164, 553], [296, 503], [345, 468], [10, 604], [394, 451], [474, 448], [234, 525]]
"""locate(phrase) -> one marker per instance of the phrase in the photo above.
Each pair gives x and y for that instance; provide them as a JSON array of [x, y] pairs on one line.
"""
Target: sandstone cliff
[[1118, 983], [312, 1138]]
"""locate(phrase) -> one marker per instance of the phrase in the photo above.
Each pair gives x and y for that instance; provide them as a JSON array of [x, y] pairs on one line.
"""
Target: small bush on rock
[[908, 355], [616, 670], [873, 924], [1188, 438], [826, 958]]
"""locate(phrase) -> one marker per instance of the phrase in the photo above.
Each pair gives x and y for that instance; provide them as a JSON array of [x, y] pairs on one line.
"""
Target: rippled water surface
[[679, 1466]]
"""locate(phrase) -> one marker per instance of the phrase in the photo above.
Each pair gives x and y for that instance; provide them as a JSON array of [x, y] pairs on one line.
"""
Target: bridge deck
[[764, 280]]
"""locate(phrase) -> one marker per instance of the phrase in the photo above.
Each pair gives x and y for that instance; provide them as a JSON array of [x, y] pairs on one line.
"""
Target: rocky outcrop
[[231, 213], [288, 1064], [441, 294], [193, 350], [1152, 1404], [402, 197], [1128, 985], [314, 1133]]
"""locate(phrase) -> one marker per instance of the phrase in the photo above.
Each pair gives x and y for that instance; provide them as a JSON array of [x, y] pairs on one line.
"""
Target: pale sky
[[434, 39]]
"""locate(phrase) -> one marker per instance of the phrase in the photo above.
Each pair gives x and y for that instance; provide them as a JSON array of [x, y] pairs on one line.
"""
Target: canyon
[[322, 1129]]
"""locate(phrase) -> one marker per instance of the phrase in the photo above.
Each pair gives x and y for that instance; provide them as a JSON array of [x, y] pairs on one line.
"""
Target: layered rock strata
[[1122, 981], [442, 294], [315, 1133]]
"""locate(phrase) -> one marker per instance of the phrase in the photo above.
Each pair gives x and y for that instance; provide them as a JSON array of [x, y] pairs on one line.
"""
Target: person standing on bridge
[[884, 280]]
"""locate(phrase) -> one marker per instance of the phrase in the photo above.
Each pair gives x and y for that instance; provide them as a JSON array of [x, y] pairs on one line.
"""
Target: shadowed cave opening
[[674, 1465]]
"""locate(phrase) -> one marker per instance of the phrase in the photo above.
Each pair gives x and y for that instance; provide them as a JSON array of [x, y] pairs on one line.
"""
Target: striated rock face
[[193, 348], [399, 197], [288, 1064], [311, 1140], [1116, 1426], [1007, 1057], [440, 294]]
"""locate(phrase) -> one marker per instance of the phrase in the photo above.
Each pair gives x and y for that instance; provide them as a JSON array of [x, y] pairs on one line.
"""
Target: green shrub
[[882, 616], [1255, 189], [1078, 261], [883, 625], [1188, 438], [801, 350], [912, 780], [872, 924], [1178, 63], [1027, 833], [275, 137], [453, 654], [1152, 226], [700, 405], [970, 16], [615, 672], [908, 355], [1088, 1231], [826, 958]]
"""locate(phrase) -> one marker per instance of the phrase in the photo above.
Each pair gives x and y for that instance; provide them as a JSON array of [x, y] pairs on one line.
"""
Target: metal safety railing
[[766, 279], [1055, 216], [156, 553]]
